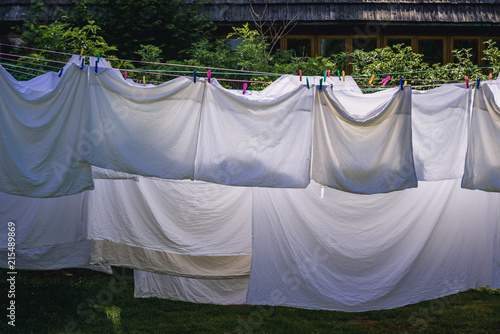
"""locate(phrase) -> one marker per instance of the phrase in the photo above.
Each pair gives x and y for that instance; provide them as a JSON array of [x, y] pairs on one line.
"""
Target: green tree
[[171, 25]]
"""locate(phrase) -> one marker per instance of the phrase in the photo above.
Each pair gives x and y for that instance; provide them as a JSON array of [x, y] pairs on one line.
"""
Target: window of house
[[432, 49], [301, 46], [233, 43], [331, 46], [468, 44], [395, 41], [366, 44]]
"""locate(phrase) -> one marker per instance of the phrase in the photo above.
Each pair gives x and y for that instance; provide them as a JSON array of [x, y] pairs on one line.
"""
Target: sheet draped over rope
[[283, 237]]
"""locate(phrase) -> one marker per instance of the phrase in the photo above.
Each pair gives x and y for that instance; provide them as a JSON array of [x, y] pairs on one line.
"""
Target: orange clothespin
[[371, 80], [144, 80], [491, 76]]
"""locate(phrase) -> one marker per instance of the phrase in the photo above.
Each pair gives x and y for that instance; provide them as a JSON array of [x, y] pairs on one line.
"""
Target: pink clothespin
[[125, 75], [384, 81], [491, 76], [467, 82], [209, 73], [300, 74], [245, 85]]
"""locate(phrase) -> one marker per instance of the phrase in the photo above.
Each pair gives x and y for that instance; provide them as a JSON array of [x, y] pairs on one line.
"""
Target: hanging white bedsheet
[[440, 124], [349, 252], [482, 166], [247, 140], [208, 291], [49, 232], [363, 153], [41, 128], [184, 228], [149, 131]]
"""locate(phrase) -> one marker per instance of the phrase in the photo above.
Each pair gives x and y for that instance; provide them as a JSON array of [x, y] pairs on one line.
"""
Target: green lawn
[[83, 301]]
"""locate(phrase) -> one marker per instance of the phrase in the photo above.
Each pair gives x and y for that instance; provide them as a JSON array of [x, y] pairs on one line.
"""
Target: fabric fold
[[365, 154], [482, 164], [248, 140], [41, 130]]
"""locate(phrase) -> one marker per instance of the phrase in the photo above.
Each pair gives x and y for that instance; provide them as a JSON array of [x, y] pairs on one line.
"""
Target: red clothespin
[[209, 73], [245, 85], [467, 82], [300, 74], [328, 73]]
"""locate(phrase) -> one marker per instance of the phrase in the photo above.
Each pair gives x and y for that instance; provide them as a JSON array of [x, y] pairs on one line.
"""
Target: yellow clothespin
[[343, 75], [373, 77], [405, 82], [144, 80], [81, 53]]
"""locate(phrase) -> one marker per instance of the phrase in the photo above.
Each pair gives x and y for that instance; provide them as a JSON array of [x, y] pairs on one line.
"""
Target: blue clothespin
[[60, 72], [83, 63], [401, 83], [307, 82], [97, 61], [478, 83], [194, 76], [321, 83]]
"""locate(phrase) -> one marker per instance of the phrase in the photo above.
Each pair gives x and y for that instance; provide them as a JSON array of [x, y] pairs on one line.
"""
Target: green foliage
[[251, 54], [492, 57], [171, 25], [395, 60]]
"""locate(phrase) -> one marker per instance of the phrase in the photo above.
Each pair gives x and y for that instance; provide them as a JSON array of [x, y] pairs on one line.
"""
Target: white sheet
[[482, 166], [40, 131], [170, 226], [49, 232], [246, 140], [440, 124], [352, 252], [221, 292], [149, 131], [363, 154]]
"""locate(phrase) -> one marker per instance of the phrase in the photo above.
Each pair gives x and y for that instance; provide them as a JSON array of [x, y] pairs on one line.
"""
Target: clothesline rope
[[360, 76]]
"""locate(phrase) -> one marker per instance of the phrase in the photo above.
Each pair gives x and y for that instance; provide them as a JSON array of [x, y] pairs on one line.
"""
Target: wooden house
[[430, 27]]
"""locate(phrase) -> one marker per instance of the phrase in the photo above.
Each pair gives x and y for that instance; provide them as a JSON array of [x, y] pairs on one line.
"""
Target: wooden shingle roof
[[484, 12], [390, 11]]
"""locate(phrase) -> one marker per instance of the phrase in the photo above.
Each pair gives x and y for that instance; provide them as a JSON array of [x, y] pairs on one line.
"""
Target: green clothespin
[[307, 82], [321, 84]]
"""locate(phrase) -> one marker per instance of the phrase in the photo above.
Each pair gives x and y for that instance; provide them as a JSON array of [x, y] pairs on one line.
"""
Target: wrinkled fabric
[[49, 232], [150, 131], [365, 154], [208, 291], [321, 248], [482, 165], [440, 124], [247, 141], [41, 129], [187, 228]]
